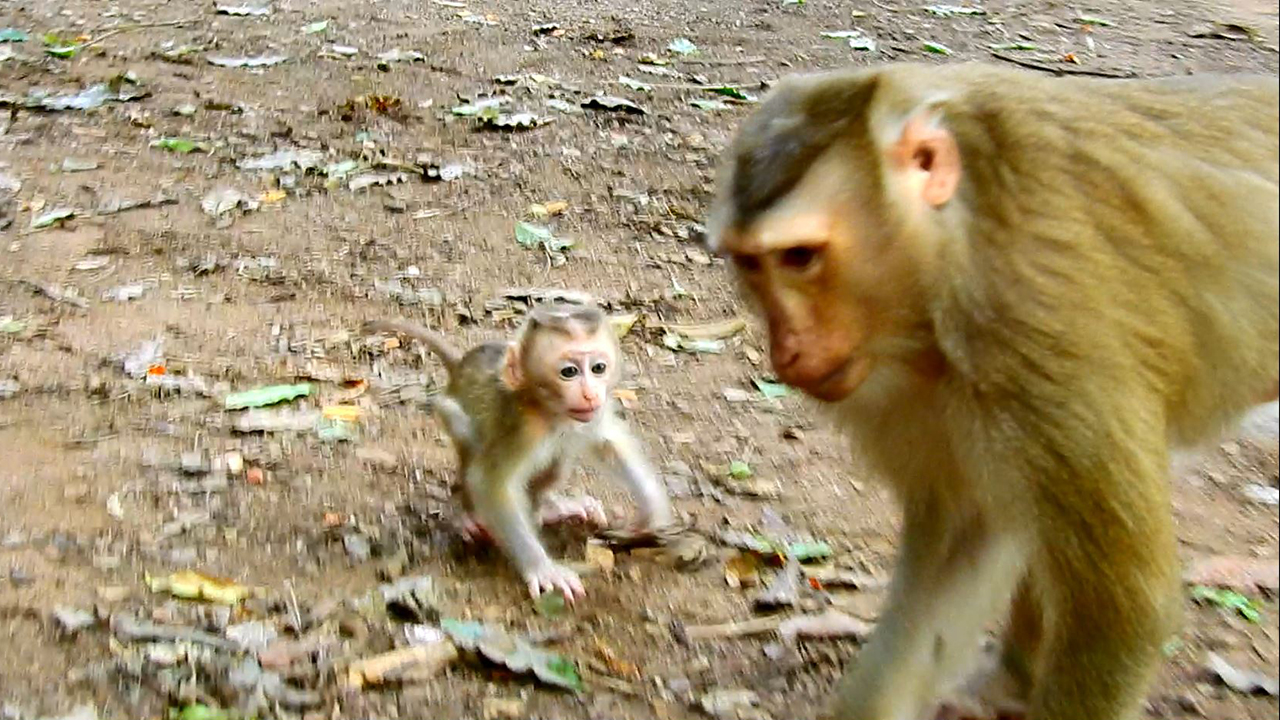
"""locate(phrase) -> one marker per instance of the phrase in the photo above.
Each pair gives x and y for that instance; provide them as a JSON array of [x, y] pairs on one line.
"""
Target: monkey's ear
[[512, 373], [927, 152]]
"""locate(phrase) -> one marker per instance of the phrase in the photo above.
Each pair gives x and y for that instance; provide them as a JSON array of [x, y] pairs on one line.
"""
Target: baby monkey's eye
[[599, 368], [569, 372]]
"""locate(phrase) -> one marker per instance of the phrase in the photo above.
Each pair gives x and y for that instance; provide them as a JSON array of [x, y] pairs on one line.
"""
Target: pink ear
[[926, 147], [512, 374]]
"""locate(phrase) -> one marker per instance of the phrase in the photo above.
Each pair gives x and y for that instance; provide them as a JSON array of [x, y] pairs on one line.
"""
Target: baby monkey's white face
[[576, 372]]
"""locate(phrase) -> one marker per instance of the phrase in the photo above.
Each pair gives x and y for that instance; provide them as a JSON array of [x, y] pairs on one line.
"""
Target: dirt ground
[[90, 501]]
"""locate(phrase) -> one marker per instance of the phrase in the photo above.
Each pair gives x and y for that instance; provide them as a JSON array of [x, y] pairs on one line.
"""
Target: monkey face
[[575, 372]]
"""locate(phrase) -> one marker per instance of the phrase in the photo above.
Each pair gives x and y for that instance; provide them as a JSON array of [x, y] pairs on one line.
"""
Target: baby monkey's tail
[[434, 341]]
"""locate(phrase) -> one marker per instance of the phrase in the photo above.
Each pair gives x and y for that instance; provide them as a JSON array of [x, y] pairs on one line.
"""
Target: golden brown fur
[[1016, 293]]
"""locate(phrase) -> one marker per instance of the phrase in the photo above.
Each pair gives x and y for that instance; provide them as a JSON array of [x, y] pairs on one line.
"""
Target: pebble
[[20, 577], [72, 620], [357, 547]]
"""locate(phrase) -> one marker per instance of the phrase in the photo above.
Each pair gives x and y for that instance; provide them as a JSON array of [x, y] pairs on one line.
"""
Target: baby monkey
[[520, 413]]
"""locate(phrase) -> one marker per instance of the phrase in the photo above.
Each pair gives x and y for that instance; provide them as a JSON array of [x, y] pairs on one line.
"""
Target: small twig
[[882, 6], [753, 626], [711, 86], [117, 29], [1059, 69], [725, 61]]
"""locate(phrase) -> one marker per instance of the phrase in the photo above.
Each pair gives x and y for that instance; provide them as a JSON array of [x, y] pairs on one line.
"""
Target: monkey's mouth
[[840, 382], [582, 415]]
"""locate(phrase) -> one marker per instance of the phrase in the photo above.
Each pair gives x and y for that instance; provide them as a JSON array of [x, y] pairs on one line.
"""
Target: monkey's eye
[[569, 372], [747, 263], [799, 257], [599, 368]]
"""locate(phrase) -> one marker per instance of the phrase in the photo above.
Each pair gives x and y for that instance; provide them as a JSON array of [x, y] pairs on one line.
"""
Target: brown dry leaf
[[626, 397], [332, 519], [742, 570], [616, 665], [599, 556]]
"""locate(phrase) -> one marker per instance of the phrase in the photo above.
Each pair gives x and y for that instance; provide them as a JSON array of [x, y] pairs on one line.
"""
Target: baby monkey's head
[[566, 357]]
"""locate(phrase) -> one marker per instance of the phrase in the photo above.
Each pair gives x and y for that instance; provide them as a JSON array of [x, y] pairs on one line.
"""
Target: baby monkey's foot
[[553, 577], [585, 509], [471, 530]]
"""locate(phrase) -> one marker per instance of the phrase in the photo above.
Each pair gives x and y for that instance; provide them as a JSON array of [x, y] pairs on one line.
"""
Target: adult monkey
[[1015, 293]]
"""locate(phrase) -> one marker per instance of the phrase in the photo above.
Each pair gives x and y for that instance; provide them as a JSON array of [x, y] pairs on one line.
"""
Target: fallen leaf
[[246, 62], [1243, 681], [613, 104], [192, 585], [513, 652], [771, 389], [635, 84], [936, 48], [709, 104], [180, 145], [13, 35], [1090, 20], [730, 91], [268, 395], [316, 27], [345, 413], [1227, 600], [951, 10], [682, 46], [51, 218], [243, 10]]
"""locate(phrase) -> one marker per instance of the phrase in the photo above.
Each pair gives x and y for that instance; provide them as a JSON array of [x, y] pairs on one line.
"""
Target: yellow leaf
[[271, 197], [192, 585], [556, 207], [344, 413]]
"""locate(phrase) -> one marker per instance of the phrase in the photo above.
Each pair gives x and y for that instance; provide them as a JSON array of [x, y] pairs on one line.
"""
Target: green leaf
[[551, 605], [1227, 600], [810, 550], [180, 145], [199, 711], [936, 48], [1015, 46], [770, 389], [13, 35], [739, 470], [530, 235], [316, 27], [268, 395], [732, 92], [515, 652], [682, 46], [62, 51]]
